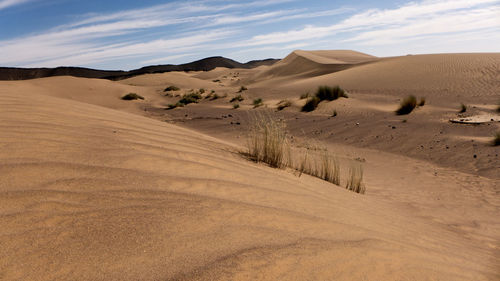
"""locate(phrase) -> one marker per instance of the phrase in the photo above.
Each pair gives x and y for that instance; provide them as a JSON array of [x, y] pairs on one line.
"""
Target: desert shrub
[[190, 98], [236, 106], [172, 106], [496, 139], [305, 96], [407, 105], [283, 104], [257, 102], [334, 113], [237, 98], [355, 180], [311, 104], [267, 140], [242, 88], [329, 93], [463, 108], [171, 88], [421, 102], [132, 96], [202, 91], [216, 80]]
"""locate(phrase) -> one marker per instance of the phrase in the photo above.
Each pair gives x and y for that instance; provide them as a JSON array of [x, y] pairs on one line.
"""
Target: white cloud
[[386, 26], [4, 4]]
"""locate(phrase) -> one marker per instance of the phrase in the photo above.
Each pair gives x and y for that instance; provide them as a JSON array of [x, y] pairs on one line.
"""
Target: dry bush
[[171, 88], [496, 139], [132, 96], [407, 105], [421, 102], [267, 140], [463, 108], [311, 104], [355, 180], [257, 102], [283, 104]]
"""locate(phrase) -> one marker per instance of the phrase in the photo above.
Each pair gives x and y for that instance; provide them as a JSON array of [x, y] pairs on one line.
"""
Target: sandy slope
[[312, 63], [92, 190]]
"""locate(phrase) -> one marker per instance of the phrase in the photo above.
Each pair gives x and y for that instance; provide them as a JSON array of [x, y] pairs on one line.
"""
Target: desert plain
[[94, 187]]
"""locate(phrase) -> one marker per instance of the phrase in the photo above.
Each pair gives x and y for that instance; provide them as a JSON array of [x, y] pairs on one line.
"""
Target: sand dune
[[313, 63], [93, 189]]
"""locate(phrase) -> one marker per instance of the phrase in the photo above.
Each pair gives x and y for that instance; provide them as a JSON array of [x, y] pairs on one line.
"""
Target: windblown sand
[[96, 188]]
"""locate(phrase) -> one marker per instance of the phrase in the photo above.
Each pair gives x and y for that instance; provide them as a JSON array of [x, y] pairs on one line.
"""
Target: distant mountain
[[207, 64]]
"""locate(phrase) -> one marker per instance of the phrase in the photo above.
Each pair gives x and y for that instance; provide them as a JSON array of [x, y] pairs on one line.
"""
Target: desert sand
[[93, 187]]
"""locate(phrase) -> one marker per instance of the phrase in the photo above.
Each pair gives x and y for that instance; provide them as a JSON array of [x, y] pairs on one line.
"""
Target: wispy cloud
[[386, 26], [176, 30], [4, 4]]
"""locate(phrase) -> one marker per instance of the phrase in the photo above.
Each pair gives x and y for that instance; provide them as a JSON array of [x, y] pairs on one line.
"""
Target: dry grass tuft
[[496, 139], [283, 104], [267, 140], [132, 96], [407, 105], [421, 102], [355, 180], [463, 108]]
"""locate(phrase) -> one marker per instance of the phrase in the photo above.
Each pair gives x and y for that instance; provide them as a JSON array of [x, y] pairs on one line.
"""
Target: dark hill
[[207, 64]]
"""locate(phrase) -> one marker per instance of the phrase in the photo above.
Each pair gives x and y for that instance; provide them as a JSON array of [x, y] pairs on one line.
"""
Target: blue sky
[[129, 34]]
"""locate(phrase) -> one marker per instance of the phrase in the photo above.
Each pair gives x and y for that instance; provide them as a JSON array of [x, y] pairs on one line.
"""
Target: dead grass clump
[[186, 99], [329, 168], [238, 98], [283, 104], [305, 96], [463, 108], [355, 180], [311, 104], [496, 139], [242, 88], [329, 93], [236, 106], [267, 140], [257, 102], [171, 88], [421, 102], [407, 105], [132, 96]]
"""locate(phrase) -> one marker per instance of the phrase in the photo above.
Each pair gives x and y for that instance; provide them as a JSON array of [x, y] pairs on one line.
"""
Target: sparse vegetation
[[236, 106], [239, 98], [202, 91], [463, 108], [267, 141], [496, 139], [355, 180], [323, 93], [171, 88], [132, 96], [216, 80], [421, 102], [186, 99], [407, 105], [190, 98], [311, 104], [329, 93], [242, 88], [257, 102], [305, 96], [334, 114], [283, 104]]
